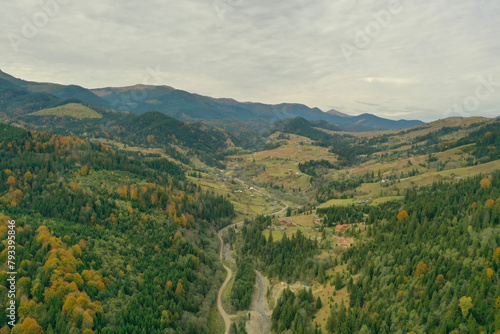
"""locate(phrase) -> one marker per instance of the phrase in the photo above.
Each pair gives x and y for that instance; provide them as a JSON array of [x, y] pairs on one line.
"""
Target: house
[[340, 227]]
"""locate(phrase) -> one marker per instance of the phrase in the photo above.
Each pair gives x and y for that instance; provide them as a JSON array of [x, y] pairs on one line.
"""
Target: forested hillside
[[106, 242], [430, 266]]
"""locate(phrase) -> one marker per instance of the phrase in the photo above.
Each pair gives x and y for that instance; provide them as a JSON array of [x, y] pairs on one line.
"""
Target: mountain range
[[21, 97]]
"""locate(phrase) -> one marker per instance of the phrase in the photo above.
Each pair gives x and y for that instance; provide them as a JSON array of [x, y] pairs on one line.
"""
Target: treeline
[[342, 214], [316, 167], [293, 313], [241, 293], [335, 188], [429, 266], [288, 259]]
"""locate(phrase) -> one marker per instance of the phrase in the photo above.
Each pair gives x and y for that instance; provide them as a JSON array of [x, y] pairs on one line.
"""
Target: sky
[[399, 59]]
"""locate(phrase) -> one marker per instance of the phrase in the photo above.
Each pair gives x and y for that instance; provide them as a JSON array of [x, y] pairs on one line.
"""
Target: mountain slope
[[60, 91], [155, 128], [188, 106], [107, 242]]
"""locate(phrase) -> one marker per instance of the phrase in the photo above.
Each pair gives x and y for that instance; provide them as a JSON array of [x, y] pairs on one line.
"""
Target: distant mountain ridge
[[187, 106]]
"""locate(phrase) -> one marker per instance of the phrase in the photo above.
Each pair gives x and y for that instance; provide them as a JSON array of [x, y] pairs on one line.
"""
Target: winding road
[[260, 311]]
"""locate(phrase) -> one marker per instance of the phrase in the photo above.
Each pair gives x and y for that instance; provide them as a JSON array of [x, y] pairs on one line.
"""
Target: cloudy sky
[[411, 59]]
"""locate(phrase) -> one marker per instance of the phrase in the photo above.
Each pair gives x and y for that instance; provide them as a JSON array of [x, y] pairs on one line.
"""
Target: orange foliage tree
[[403, 215]]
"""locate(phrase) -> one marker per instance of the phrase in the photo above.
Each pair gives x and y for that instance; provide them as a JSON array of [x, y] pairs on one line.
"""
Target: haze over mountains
[[20, 97]]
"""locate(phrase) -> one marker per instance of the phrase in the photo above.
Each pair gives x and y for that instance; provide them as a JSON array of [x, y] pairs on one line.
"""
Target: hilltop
[[182, 105]]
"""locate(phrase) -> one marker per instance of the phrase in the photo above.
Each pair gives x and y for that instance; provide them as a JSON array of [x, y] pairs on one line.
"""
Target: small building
[[340, 227]]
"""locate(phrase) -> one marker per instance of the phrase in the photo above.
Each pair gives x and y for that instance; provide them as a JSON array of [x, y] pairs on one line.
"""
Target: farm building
[[340, 227]]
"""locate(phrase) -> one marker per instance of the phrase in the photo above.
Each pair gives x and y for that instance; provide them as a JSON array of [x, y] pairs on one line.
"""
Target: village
[[311, 225]]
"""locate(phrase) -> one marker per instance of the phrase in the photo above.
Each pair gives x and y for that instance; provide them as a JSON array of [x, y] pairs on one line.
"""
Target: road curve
[[223, 313]]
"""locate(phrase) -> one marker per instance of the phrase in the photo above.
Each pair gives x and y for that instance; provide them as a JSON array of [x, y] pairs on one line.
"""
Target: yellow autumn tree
[[485, 183], [27, 176], [11, 181], [29, 326], [489, 273], [465, 305], [489, 203]]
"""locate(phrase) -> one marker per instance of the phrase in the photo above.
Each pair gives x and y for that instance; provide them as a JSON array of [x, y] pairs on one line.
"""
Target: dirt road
[[260, 313]]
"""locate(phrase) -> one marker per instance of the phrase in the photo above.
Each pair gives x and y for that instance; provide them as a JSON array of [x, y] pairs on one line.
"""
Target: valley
[[305, 226], [263, 170]]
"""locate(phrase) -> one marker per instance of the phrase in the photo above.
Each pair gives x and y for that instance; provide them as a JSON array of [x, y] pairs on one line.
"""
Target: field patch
[[74, 110]]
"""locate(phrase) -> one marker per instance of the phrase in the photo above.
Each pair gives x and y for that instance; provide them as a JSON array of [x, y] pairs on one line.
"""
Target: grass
[[226, 295], [215, 321], [277, 235], [74, 110], [280, 161]]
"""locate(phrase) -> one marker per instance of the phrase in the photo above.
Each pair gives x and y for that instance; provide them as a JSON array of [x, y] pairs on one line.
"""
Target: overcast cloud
[[420, 59]]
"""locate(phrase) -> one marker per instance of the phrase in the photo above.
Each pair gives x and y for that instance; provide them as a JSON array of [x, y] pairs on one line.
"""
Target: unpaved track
[[260, 321], [223, 313]]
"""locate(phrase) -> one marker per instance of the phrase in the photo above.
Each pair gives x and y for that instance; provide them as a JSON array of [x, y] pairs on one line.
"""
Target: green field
[[74, 110]]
